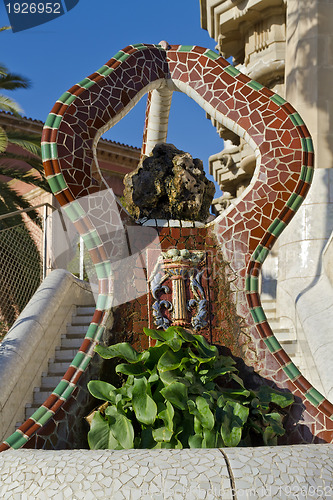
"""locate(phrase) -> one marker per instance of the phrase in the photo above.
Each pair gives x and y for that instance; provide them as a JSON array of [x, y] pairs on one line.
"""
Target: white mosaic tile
[[272, 472]]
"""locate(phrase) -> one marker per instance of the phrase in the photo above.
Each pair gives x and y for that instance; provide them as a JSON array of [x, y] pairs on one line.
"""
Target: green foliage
[[181, 393]]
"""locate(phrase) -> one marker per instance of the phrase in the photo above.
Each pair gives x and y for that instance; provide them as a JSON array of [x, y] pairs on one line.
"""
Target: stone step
[[85, 310], [290, 347], [75, 331], [282, 334], [65, 355], [40, 396], [81, 320], [30, 409], [50, 382], [57, 368], [71, 343]]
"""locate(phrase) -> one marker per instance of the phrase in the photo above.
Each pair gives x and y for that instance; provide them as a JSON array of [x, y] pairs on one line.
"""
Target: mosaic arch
[[245, 232]]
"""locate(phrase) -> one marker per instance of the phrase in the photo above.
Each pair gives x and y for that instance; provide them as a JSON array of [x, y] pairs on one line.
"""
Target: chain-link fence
[[21, 267]]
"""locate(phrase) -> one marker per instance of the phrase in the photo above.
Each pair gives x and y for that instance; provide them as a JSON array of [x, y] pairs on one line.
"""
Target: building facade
[[287, 45]]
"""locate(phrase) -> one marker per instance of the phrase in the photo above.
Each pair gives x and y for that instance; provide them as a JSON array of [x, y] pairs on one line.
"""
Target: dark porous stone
[[169, 184]]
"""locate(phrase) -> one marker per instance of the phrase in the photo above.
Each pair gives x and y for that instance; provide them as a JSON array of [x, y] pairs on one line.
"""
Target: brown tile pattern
[[245, 235]]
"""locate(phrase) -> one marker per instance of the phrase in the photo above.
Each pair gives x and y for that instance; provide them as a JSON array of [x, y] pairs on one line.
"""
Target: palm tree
[[25, 262]]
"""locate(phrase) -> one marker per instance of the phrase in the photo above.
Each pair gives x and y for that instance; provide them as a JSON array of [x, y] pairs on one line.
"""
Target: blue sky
[[56, 55]]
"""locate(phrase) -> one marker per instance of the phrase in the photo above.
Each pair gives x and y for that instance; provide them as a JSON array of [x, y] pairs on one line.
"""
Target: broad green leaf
[[176, 393], [162, 335], [268, 395], [154, 354], [188, 337], [199, 358], [143, 405], [275, 422], [175, 343], [167, 415], [122, 350], [153, 334], [147, 440], [130, 369], [121, 427], [269, 437], [100, 437], [171, 376], [237, 379], [162, 434], [169, 361], [234, 416], [205, 349], [154, 377], [195, 441], [197, 425], [205, 415], [209, 438], [102, 390]]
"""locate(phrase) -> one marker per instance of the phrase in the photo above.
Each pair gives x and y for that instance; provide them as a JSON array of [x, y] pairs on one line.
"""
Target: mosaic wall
[[243, 235]]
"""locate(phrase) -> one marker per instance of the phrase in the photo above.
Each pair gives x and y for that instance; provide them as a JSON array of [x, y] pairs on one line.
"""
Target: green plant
[[181, 393]]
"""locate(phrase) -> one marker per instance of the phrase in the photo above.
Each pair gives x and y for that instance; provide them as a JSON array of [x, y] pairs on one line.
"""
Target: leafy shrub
[[181, 393]]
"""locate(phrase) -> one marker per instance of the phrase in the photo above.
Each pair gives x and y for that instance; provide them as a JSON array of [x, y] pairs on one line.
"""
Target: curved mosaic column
[[246, 232]]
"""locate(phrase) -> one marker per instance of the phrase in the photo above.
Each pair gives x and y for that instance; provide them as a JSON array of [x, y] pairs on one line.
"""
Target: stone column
[[305, 296]]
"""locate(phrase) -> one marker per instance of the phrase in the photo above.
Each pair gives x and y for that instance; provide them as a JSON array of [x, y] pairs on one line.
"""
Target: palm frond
[[13, 81], [10, 201], [7, 104], [27, 177], [28, 142], [3, 140]]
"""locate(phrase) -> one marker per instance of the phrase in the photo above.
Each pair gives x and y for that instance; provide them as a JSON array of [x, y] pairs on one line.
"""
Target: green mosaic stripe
[[16, 440], [277, 227], [277, 99], [103, 269], [96, 334], [258, 314], [61, 387], [231, 70], [78, 359], [142, 46], [296, 119], [66, 393], [260, 254], [67, 98], [307, 174], [85, 363], [255, 85], [49, 151], [307, 144], [314, 396], [186, 48], [103, 302], [91, 332], [252, 283], [74, 211], [57, 183], [92, 239], [273, 344], [99, 333], [86, 83], [291, 371], [295, 202], [53, 121], [211, 54]]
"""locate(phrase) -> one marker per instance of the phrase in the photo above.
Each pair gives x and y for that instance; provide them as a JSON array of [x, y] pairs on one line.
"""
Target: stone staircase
[[285, 336], [64, 354]]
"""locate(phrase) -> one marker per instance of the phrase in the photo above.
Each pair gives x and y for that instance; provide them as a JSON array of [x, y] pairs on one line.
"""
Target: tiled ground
[[285, 472]]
